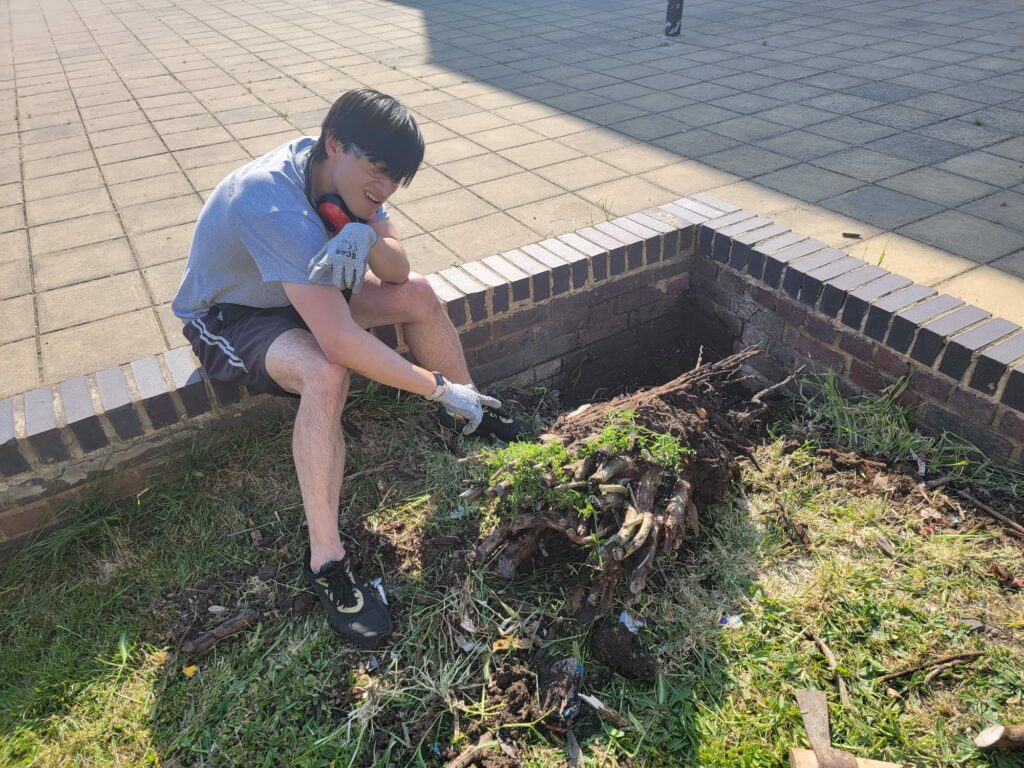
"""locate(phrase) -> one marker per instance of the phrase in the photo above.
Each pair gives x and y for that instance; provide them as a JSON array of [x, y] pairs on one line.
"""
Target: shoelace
[[339, 577]]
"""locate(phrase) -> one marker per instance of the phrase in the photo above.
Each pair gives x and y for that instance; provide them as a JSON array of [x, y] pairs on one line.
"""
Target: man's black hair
[[380, 126]]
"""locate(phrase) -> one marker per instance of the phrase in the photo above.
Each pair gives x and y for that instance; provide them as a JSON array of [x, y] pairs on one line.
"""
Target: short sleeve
[[281, 244]]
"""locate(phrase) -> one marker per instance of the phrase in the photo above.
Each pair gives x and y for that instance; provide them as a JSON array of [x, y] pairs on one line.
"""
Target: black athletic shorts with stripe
[[231, 342]]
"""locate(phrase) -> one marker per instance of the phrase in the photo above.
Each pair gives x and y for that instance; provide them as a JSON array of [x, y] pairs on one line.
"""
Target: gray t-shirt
[[257, 230]]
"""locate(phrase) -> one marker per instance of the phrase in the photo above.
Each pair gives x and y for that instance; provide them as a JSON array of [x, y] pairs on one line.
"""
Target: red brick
[[910, 398], [975, 408], [763, 297], [819, 354], [1012, 425], [889, 361], [790, 311], [867, 378], [27, 520], [822, 330], [929, 384], [859, 347]]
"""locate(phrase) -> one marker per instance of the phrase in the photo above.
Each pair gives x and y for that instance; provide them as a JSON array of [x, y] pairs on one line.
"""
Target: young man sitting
[[275, 297]]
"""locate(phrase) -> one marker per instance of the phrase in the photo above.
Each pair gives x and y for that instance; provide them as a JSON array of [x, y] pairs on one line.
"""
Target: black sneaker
[[353, 607], [496, 423]]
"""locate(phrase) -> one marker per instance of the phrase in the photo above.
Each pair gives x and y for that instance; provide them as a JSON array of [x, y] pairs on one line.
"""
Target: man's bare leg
[[425, 324], [297, 364]]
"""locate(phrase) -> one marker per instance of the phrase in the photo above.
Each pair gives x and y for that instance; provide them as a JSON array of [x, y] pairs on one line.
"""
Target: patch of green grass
[[90, 674], [878, 426]]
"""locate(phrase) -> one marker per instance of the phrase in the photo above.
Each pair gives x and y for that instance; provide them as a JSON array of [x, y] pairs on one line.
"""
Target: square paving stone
[[579, 173], [946, 189], [1006, 208], [801, 145], [1013, 148], [748, 161], [864, 164], [163, 280], [884, 91], [474, 170], [747, 128], [916, 148], [486, 236], [808, 182], [87, 262], [1001, 171], [627, 195], [842, 103], [966, 133], [688, 177], [976, 239], [852, 130], [127, 337], [797, 115], [21, 367], [695, 143], [455, 207], [881, 207], [519, 189], [19, 318], [538, 154], [903, 118], [87, 301], [1013, 264], [700, 114]]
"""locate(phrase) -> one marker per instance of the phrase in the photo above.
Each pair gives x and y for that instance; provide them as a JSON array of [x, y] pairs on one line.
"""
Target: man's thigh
[[293, 356], [379, 303]]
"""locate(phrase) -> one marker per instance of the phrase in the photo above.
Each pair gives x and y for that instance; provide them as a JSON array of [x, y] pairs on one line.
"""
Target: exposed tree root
[[643, 509]]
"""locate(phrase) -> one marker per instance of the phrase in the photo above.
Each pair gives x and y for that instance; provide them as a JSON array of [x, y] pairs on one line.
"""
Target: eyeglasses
[[378, 165]]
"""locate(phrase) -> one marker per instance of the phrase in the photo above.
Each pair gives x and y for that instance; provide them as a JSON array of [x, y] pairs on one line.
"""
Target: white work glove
[[463, 401], [342, 261]]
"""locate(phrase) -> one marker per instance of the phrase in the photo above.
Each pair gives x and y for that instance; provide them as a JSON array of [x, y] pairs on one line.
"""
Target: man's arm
[[344, 343], [388, 259]]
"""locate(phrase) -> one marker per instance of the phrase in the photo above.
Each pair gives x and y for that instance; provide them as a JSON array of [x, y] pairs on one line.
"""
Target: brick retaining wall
[[804, 302], [593, 300]]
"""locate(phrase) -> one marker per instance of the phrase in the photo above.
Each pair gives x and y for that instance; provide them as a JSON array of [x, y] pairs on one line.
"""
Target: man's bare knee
[[327, 384], [422, 300]]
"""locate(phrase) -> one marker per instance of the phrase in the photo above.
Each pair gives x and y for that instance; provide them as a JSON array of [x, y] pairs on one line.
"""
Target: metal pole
[[674, 18]]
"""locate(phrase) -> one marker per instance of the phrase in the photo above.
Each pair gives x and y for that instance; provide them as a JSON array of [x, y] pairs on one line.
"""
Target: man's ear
[[333, 146]]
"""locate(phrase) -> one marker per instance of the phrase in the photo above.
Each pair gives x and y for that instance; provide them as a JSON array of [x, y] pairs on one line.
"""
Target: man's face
[[362, 183]]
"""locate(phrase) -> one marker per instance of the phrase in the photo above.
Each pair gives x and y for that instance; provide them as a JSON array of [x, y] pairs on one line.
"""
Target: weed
[[878, 426]]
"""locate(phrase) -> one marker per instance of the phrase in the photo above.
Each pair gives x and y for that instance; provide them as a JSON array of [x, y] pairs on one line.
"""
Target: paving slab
[[118, 120]]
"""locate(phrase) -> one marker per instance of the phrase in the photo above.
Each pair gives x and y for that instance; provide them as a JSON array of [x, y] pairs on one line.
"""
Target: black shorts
[[231, 342]]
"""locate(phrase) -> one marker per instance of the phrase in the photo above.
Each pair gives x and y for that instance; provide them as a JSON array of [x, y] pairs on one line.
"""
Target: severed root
[[543, 519], [615, 466], [518, 551], [226, 628], [680, 516]]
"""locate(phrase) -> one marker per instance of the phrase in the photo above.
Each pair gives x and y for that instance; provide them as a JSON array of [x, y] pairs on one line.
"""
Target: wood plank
[[804, 758]]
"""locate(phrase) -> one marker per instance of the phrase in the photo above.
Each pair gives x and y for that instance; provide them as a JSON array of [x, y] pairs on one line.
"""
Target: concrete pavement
[[891, 129]]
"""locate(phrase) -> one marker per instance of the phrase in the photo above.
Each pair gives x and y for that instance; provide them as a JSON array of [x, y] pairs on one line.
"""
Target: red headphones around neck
[[332, 212]]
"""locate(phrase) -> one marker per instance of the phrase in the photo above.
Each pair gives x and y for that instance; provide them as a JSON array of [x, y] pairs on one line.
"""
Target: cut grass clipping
[[90, 673]]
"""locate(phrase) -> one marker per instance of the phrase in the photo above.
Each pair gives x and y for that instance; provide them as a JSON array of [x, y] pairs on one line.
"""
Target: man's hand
[[342, 261], [463, 401]]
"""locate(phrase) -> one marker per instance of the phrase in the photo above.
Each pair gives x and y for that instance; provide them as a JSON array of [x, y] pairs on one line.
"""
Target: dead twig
[[956, 658], [1012, 526], [226, 628], [371, 470], [844, 694]]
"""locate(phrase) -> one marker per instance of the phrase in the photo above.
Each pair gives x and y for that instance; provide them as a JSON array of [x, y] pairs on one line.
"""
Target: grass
[[89, 674]]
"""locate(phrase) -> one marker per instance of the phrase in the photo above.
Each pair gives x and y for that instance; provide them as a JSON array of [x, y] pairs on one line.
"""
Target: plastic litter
[[731, 622], [380, 589], [632, 624]]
